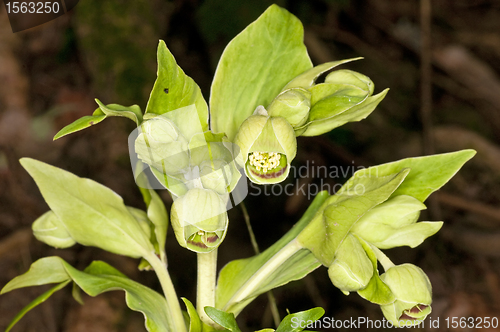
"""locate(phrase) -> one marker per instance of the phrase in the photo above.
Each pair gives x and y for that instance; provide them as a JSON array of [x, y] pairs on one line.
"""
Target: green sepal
[[174, 90], [376, 291], [352, 269]]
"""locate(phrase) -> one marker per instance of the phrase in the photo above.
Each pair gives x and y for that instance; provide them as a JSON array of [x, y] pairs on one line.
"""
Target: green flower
[[49, 229], [267, 145], [199, 219], [413, 293], [293, 105], [352, 269], [394, 224], [161, 146]]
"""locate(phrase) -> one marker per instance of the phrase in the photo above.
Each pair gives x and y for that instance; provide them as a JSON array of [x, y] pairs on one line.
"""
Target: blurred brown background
[[50, 74]]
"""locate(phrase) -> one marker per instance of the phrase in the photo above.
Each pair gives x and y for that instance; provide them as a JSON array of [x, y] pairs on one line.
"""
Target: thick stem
[[174, 309], [269, 267], [270, 296], [207, 275]]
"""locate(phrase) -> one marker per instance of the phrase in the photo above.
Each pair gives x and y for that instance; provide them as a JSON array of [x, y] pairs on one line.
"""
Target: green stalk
[[270, 296], [174, 309], [267, 269], [382, 258], [207, 275]]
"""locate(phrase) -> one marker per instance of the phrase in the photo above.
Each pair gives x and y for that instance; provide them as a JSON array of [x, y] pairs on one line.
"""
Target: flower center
[[265, 160]]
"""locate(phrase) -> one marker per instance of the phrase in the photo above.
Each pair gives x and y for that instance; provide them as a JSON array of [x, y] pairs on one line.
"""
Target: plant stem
[[174, 309], [382, 258], [207, 275], [269, 267], [255, 245]]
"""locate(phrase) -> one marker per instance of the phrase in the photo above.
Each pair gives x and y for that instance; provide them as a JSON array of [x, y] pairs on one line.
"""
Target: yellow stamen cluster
[[265, 160]]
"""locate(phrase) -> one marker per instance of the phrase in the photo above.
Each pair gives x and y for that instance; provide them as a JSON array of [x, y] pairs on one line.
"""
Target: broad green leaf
[[254, 68], [173, 89], [376, 291], [326, 116], [98, 278], [326, 232], [80, 124], [224, 319], [427, 174], [290, 322], [411, 235], [132, 112], [237, 276], [308, 78], [40, 299], [93, 214], [48, 270], [195, 324]]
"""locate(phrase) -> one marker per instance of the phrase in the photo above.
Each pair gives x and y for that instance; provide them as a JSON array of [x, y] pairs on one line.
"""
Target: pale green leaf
[[195, 324], [326, 232], [234, 277], [224, 319], [173, 89], [289, 323], [411, 235], [427, 174], [80, 124], [132, 112], [254, 68], [158, 215], [93, 214], [40, 299]]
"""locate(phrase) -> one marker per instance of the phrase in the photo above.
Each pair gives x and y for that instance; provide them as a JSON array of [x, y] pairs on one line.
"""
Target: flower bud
[[161, 146], [352, 269], [199, 220], [413, 293], [268, 146], [293, 105], [50, 230], [394, 223]]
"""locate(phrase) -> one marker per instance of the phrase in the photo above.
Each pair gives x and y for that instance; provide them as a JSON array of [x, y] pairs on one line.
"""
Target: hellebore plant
[[264, 95]]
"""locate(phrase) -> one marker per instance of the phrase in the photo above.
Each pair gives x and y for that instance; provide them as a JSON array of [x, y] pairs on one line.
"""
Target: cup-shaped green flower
[[413, 293], [394, 223], [199, 220], [162, 146], [49, 229], [292, 104], [352, 269], [268, 146]]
